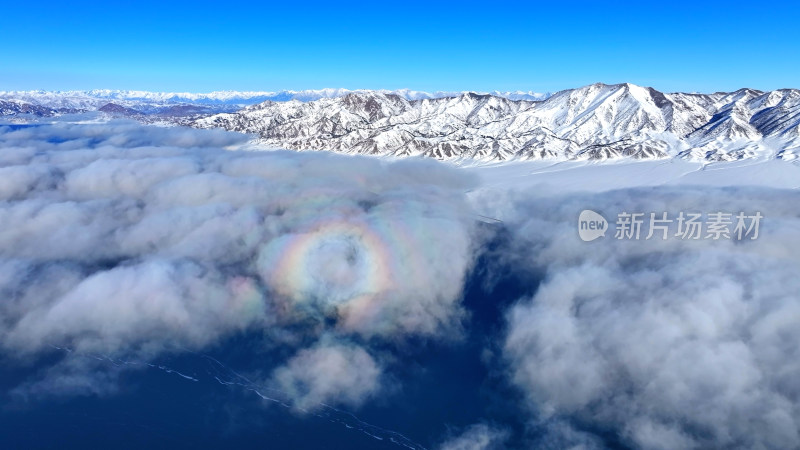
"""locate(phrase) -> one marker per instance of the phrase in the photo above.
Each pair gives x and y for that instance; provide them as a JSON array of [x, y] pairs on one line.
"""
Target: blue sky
[[203, 46]]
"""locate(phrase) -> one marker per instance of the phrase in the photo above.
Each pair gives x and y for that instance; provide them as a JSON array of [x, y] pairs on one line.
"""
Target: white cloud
[[329, 372], [479, 436], [127, 239], [666, 344], [124, 238]]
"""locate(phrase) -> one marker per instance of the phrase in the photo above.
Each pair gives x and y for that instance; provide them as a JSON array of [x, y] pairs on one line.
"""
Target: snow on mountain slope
[[220, 101], [593, 122], [16, 107], [779, 114]]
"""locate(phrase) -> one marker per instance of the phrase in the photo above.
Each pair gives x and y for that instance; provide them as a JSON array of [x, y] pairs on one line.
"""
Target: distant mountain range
[[150, 102], [594, 122]]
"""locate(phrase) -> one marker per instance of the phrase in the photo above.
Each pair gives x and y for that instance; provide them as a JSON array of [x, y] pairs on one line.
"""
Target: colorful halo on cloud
[[334, 263]]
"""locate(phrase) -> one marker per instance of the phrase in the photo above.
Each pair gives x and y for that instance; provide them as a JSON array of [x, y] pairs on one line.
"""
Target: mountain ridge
[[87, 99], [597, 121]]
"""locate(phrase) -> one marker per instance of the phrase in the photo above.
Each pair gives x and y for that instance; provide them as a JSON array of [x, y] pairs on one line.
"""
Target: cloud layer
[[138, 241], [666, 344], [121, 238]]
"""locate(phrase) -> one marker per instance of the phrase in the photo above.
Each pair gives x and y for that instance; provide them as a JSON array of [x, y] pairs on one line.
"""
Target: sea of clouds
[[133, 241], [657, 343], [123, 239]]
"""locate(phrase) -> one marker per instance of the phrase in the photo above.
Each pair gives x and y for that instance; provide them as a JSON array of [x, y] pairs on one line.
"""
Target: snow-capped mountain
[[14, 107], [145, 102], [598, 121], [137, 102]]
